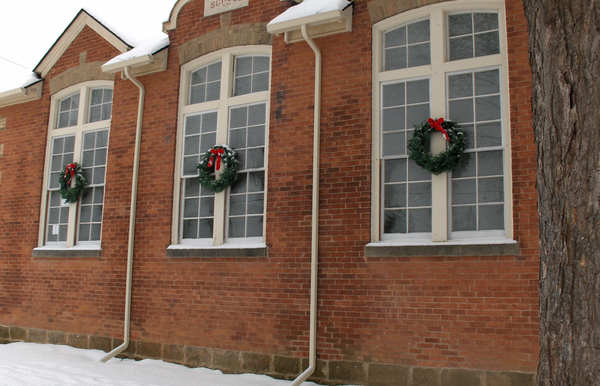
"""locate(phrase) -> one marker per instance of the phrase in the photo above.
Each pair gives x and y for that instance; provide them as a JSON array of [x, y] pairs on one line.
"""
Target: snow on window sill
[[229, 249], [75, 251], [479, 247]]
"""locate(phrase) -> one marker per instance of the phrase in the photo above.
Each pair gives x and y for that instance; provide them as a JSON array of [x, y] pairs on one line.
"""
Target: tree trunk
[[564, 48]]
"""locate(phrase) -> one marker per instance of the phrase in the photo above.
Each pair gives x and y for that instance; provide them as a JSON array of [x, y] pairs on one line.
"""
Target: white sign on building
[[212, 7]]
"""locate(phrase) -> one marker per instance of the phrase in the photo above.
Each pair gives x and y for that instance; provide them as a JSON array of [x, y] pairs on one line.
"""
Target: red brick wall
[[471, 312]]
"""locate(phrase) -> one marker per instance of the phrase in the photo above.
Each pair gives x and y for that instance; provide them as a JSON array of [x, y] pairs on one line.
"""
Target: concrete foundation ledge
[[277, 366]]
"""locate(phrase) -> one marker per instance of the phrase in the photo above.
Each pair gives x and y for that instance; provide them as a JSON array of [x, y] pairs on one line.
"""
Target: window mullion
[[74, 207], [439, 221], [222, 128]]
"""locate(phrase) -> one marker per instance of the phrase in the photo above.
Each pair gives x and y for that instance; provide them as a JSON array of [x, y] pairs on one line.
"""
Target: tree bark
[[564, 44]]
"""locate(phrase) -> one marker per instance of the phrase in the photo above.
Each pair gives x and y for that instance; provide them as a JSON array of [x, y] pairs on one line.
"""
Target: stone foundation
[[277, 366]]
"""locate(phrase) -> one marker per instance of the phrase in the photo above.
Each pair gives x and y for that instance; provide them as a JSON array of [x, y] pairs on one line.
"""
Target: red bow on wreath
[[438, 126], [70, 168], [218, 153]]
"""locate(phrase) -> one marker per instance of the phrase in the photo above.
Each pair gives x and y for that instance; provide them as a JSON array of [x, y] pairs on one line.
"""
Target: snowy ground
[[30, 364]]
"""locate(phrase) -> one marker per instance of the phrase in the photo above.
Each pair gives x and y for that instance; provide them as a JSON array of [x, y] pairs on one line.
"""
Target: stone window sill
[[77, 251], [226, 250], [449, 248]]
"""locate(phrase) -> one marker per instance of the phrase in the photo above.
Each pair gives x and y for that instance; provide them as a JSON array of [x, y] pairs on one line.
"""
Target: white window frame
[[437, 72], [222, 106], [85, 91]]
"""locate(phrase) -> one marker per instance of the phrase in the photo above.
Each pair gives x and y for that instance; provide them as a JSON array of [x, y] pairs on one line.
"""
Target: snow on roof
[[147, 48], [17, 78], [133, 35], [310, 8], [145, 36]]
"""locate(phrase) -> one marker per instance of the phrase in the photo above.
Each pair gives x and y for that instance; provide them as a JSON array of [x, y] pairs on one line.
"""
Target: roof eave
[[22, 94], [320, 24]]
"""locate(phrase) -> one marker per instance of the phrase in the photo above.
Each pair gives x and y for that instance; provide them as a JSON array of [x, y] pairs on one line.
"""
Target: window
[[77, 135], [225, 101], [445, 60]]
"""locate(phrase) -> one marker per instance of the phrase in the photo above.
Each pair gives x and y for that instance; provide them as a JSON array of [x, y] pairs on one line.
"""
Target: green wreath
[[71, 172], [219, 159], [446, 161]]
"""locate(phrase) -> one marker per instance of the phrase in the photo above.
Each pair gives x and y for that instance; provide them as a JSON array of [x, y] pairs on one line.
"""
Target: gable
[[82, 20]]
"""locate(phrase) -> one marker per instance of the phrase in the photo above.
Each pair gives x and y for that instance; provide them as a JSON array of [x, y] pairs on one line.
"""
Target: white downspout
[[132, 213], [314, 256]]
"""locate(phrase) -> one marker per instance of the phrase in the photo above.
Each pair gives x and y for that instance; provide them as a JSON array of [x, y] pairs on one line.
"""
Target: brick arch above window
[[225, 37], [382, 9], [83, 73]]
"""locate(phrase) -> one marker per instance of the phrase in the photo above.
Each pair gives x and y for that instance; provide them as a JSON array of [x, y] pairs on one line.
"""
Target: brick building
[[422, 279]]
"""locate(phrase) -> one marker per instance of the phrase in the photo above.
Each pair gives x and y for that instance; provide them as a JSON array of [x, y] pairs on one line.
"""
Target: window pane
[[396, 37], [417, 91], [257, 114], [255, 226], [237, 227], [491, 217], [461, 111], [417, 173], [190, 229], [485, 22], [419, 194], [491, 190], [460, 86], [206, 228], [393, 94], [95, 113], [489, 134], [460, 24], [395, 58], [256, 182], [464, 218], [191, 207], [464, 191], [255, 203], [490, 163], [256, 158], [395, 170], [419, 220], [416, 115], [418, 32], [487, 82], [487, 44], [394, 144], [191, 145], [260, 82], [239, 117], [461, 48], [237, 205], [394, 119], [488, 108], [198, 94], [237, 138], [395, 196], [395, 221], [419, 55], [243, 66], [256, 136]]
